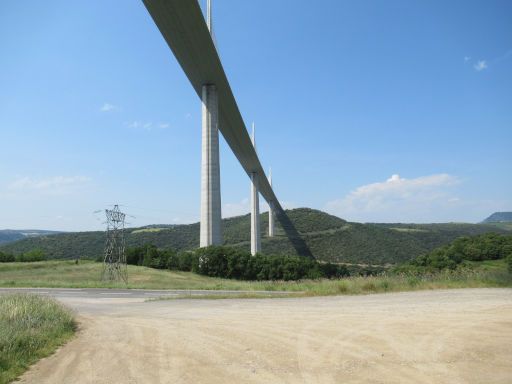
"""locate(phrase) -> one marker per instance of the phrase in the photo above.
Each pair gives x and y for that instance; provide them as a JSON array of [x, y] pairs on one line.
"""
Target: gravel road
[[446, 336]]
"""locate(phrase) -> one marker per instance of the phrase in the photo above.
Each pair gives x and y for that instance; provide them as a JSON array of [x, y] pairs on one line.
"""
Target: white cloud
[[236, 209], [52, 185], [480, 65], [397, 199], [466, 59], [146, 125], [107, 107], [133, 124]]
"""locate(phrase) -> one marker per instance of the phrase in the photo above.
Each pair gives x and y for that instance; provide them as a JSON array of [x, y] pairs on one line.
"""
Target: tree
[[30, 256], [6, 257]]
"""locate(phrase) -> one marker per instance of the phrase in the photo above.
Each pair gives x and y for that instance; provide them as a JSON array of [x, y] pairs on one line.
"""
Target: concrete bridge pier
[[255, 208], [211, 216], [255, 216]]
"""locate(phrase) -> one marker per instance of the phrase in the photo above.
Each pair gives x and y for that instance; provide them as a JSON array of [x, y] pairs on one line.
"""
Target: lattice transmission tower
[[114, 264]]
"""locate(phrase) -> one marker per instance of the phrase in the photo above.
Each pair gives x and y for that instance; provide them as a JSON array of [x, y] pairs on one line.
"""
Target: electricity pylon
[[114, 263]]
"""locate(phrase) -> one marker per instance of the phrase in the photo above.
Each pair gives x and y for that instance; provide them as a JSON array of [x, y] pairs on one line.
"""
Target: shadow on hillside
[[293, 235]]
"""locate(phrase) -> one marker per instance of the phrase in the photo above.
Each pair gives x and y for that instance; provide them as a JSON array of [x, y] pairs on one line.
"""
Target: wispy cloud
[[51, 185], [236, 209], [397, 199], [107, 107], [146, 125], [132, 124], [507, 55], [480, 65]]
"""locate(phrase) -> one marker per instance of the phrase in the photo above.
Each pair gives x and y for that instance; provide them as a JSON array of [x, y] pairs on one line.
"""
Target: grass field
[[31, 327], [87, 275]]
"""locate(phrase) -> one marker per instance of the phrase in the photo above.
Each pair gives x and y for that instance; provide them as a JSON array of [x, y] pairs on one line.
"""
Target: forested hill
[[499, 217], [329, 238], [10, 235]]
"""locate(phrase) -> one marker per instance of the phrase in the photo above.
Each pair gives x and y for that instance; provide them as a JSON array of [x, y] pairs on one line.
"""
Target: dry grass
[[87, 275], [31, 327]]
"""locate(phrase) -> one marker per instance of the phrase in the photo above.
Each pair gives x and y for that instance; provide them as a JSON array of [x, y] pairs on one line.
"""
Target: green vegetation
[[31, 327], [233, 263], [330, 239], [142, 230], [86, 274], [494, 276], [10, 235], [478, 261], [6, 257], [30, 256], [477, 248], [502, 226], [501, 220], [499, 217]]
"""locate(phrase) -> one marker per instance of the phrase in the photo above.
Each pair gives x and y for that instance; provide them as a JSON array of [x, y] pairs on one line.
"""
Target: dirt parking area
[[451, 336]]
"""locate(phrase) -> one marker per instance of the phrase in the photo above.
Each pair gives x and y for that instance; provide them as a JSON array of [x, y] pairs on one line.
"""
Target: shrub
[[6, 257], [330, 270], [489, 246], [232, 263], [213, 261], [30, 256], [135, 256]]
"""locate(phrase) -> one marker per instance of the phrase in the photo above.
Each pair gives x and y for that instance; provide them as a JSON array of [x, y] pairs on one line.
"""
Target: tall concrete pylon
[[209, 15], [211, 215], [255, 208], [271, 225]]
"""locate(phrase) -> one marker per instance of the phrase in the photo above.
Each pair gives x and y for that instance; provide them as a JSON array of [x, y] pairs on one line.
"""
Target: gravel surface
[[445, 336]]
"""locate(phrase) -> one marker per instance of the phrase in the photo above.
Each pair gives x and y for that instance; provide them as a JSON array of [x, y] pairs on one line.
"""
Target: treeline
[[33, 255], [232, 263], [490, 246], [329, 239]]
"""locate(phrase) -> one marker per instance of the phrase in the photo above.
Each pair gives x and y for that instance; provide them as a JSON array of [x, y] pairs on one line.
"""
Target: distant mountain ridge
[[499, 217], [10, 235], [328, 237]]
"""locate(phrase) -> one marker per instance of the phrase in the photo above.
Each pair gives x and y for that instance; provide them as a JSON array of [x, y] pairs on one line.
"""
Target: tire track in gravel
[[456, 336]]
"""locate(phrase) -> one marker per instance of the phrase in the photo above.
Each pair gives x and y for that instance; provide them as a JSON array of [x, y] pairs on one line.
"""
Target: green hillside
[[499, 217], [10, 235], [328, 237]]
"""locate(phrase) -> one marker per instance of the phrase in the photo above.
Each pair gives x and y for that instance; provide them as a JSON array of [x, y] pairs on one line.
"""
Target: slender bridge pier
[[189, 36]]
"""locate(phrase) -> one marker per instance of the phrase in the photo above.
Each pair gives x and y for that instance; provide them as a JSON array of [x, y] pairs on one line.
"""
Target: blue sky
[[375, 111]]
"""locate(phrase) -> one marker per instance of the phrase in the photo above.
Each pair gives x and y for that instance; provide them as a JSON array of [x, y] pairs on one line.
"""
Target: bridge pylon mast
[[255, 208], [211, 211]]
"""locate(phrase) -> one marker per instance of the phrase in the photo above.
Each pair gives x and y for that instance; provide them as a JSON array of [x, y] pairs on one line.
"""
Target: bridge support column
[[255, 216], [211, 216], [255, 208]]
